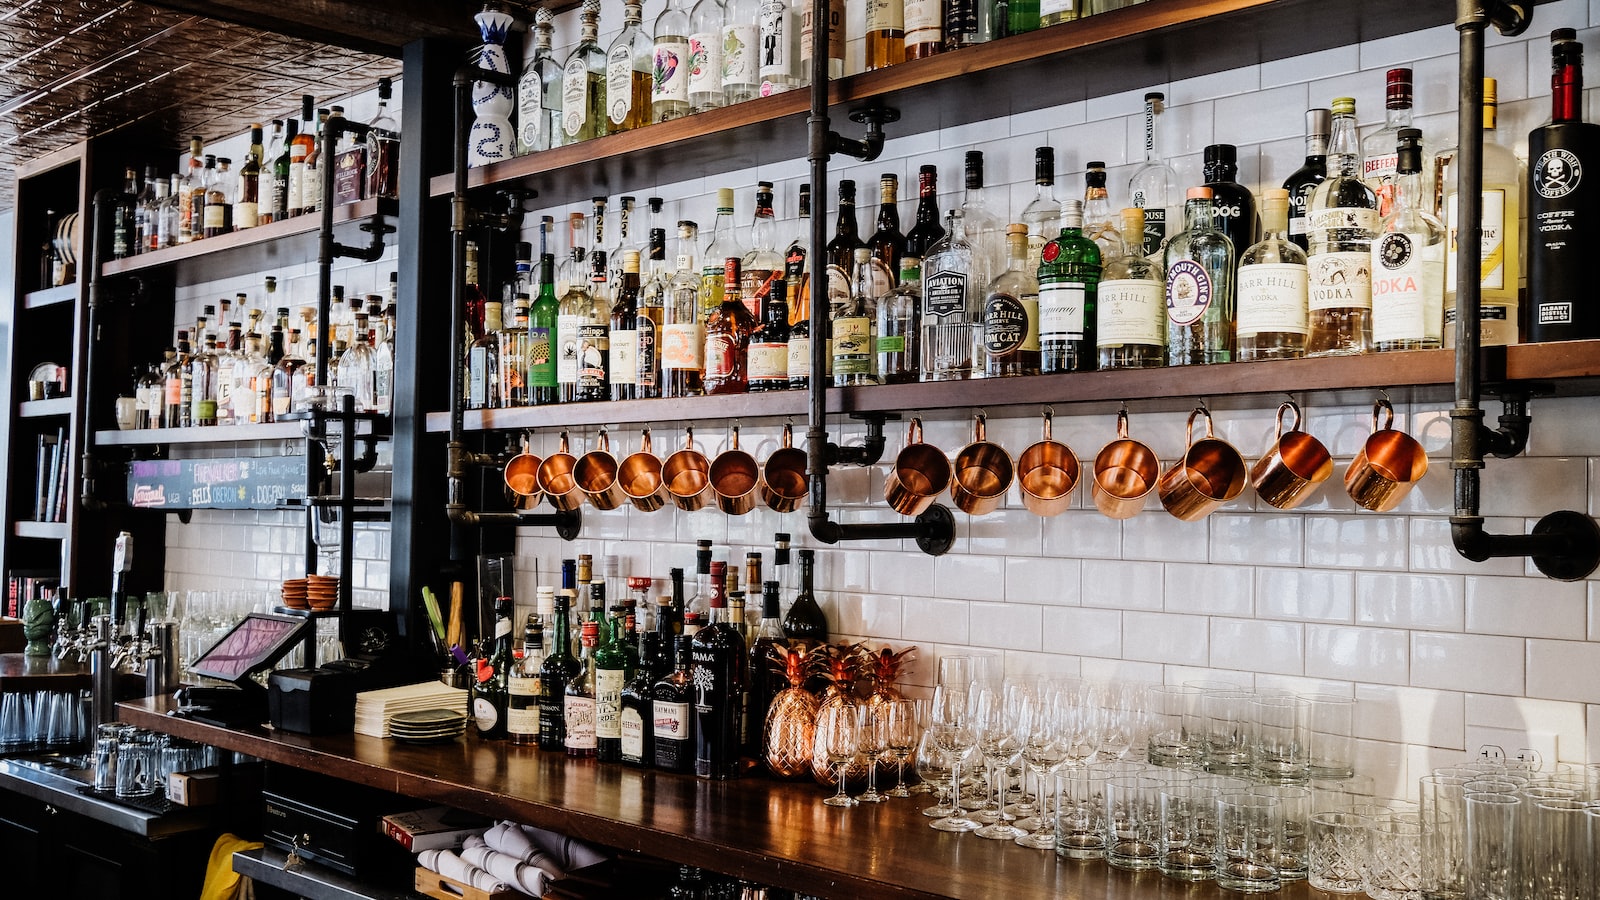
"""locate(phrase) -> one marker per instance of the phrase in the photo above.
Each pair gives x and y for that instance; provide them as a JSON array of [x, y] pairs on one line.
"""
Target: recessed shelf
[[46, 530], [65, 293], [55, 406], [219, 434]]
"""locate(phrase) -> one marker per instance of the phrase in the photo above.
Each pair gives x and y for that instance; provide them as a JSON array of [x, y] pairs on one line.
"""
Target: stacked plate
[[322, 591], [374, 709], [294, 594], [427, 726]]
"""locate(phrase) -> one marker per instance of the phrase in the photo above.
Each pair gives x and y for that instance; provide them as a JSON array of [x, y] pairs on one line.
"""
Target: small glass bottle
[[1408, 260], [853, 322], [1199, 287], [1343, 220], [899, 324], [1130, 309], [1011, 313], [728, 338], [1069, 276], [1272, 288]]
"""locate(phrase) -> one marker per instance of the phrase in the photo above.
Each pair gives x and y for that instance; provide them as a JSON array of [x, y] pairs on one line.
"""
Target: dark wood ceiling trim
[[382, 28]]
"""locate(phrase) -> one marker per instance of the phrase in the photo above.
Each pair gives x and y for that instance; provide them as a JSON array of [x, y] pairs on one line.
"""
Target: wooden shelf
[[1149, 43], [55, 406], [46, 530], [1571, 366], [41, 673], [220, 434], [66, 293]]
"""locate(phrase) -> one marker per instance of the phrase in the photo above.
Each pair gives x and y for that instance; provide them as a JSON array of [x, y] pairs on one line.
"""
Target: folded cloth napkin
[[521, 876], [570, 853], [454, 867], [508, 838]]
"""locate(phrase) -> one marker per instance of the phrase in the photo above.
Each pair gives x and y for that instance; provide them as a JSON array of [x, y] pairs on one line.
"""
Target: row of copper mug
[[734, 481], [1127, 471]]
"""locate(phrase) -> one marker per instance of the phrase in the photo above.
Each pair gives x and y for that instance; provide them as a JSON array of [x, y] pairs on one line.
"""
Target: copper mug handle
[[735, 477], [640, 477], [1210, 473], [982, 473], [783, 476], [921, 472], [1125, 472], [1389, 465], [1047, 473], [1294, 466], [557, 481], [687, 474]]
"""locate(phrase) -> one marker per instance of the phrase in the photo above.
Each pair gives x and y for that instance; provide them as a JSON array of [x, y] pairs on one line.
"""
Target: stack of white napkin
[[512, 857]]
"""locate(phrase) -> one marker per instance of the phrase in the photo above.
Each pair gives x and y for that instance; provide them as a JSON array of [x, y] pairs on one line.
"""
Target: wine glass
[[1045, 748], [994, 718], [953, 734], [900, 734], [933, 767], [874, 741], [842, 726]]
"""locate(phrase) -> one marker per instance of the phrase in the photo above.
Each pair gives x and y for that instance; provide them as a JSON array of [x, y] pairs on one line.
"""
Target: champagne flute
[[995, 718], [874, 741], [900, 723], [841, 724], [1046, 748], [953, 733]]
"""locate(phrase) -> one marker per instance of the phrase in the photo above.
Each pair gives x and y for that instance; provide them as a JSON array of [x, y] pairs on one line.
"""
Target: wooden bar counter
[[771, 832]]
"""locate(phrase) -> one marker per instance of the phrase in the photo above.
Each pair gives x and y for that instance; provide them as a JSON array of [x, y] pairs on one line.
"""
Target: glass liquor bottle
[[841, 249], [1379, 162], [186, 186], [741, 46], [286, 373], [805, 620], [720, 678], [583, 82], [853, 323], [638, 735], [762, 267], [282, 166], [1069, 276], [483, 361], [669, 83], [155, 200], [1043, 214], [927, 230], [539, 91], [578, 705], [985, 231], [836, 39], [623, 241], [671, 712], [522, 712], [728, 338], [780, 47], [383, 148], [149, 393], [1343, 220], [203, 383], [628, 70], [1272, 321], [311, 184], [624, 337], [1302, 183], [1130, 310], [703, 567], [1501, 248], [247, 202], [1011, 313], [175, 412], [949, 301], [303, 145], [513, 367], [683, 342], [230, 356], [798, 284], [543, 319], [766, 678], [382, 342], [769, 345], [962, 24], [170, 221], [888, 245], [1408, 260], [886, 35], [218, 210], [654, 295], [1153, 185], [1558, 272], [1099, 224], [924, 28], [705, 56], [576, 307], [268, 185], [1054, 12], [1020, 16], [611, 674], [1199, 287], [198, 184], [724, 244], [1233, 207], [899, 326], [124, 227], [491, 688], [356, 367]]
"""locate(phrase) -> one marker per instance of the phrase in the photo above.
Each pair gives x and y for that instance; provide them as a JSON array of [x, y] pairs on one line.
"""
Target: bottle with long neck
[[199, 183], [720, 677], [805, 620], [1011, 313], [203, 382], [927, 230], [1304, 180], [1272, 288], [1343, 220], [798, 282], [612, 671], [576, 307], [1130, 311], [1500, 251], [543, 319], [1153, 185], [701, 601], [491, 689], [1379, 162], [897, 326], [724, 244], [628, 70], [559, 668], [174, 376], [1562, 204], [638, 735], [579, 706], [522, 712], [1199, 287], [125, 227], [539, 92], [187, 214], [888, 245], [247, 202], [761, 270], [1043, 215], [282, 166], [683, 341], [382, 176], [583, 81], [654, 295], [769, 345], [1408, 260], [985, 231], [1069, 278], [624, 337], [766, 678], [705, 56], [302, 194], [950, 301]]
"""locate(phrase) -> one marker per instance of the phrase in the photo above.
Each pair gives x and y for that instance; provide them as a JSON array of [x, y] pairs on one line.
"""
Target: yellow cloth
[[222, 882]]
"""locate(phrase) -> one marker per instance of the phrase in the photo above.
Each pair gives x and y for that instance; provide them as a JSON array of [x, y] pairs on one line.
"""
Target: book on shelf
[[23, 585], [50, 479], [58, 512]]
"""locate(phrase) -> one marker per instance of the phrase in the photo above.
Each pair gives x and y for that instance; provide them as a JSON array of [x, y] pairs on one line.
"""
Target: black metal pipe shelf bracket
[[933, 530], [1564, 545], [97, 239], [461, 461]]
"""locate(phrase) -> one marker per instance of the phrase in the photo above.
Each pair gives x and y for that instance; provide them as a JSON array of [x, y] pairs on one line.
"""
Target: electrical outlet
[[1538, 751], [1492, 752]]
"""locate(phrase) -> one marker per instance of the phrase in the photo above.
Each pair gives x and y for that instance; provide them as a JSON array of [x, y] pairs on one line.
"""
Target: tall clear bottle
[[203, 382], [1069, 277], [1199, 287], [1272, 288], [654, 295], [1302, 183], [629, 62], [1099, 223], [1011, 313], [836, 38], [1043, 214], [762, 267], [855, 321], [683, 340], [624, 340], [539, 92], [575, 308], [1408, 260], [1130, 309], [780, 47], [899, 318], [1379, 162], [724, 244], [741, 51], [669, 77], [949, 306], [1343, 220], [594, 334], [1153, 186], [985, 231], [705, 56], [583, 81], [268, 187], [1501, 250]]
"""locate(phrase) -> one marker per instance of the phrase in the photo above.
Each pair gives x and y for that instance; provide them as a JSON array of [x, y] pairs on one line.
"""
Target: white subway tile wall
[[1442, 654]]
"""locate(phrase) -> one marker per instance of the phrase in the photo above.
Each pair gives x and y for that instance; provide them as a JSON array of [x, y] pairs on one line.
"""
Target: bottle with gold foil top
[[1272, 288], [1341, 219], [1130, 311], [1011, 313], [728, 338], [724, 244]]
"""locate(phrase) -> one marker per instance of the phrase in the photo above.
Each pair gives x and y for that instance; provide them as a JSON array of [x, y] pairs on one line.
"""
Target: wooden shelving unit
[[55, 406], [221, 434], [46, 530], [65, 293]]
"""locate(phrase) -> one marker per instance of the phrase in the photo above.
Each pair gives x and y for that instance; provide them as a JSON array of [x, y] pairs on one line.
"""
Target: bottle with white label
[[779, 58], [539, 93], [583, 82], [1130, 312], [1272, 322], [1069, 273], [950, 316], [836, 38], [1153, 185], [629, 61], [669, 81], [741, 51], [522, 715], [705, 56], [683, 336], [1011, 313], [1342, 220], [1379, 164], [1500, 251], [855, 323], [924, 21], [1408, 261], [1199, 287]]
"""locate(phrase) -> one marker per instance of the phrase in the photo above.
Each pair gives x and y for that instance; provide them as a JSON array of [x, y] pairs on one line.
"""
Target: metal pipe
[[102, 202]]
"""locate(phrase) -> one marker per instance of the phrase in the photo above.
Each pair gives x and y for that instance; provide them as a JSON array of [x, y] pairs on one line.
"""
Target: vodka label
[[852, 345], [924, 21], [1407, 295], [775, 25], [567, 345], [1188, 292], [644, 354], [574, 96], [741, 63], [1005, 324], [1128, 312], [671, 71], [683, 347], [1340, 280], [885, 15], [1272, 298], [1061, 309], [1492, 253], [624, 357], [705, 63], [619, 83], [608, 702]]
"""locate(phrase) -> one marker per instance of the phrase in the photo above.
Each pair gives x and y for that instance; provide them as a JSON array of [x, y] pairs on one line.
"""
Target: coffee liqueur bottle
[[720, 677], [1130, 308], [1563, 206], [1069, 274], [805, 620], [579, 707], [1232, 205], [1199, 287], [559, 668], [672, 712], [1342, 220], [1272, 289], [1011, 313], [638, 733], [490, 691], [1408, 261], [522, 713], [1303, 181]]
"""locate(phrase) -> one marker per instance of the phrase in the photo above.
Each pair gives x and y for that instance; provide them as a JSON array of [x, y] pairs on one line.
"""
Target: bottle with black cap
[[1231, 202]]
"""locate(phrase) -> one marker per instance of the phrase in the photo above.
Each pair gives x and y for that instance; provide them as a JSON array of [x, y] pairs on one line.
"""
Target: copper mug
[[557, 481], [1125, 472], [1389, 465], [522, 478], [596, 474], [981, 474], [783, 475], [1210, 474], [1046, 473], [921, 472], [640, 477], [735, 475], [687, 474], [1293, 467]]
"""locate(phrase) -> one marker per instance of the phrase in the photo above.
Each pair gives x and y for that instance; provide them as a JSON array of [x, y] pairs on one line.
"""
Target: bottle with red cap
[[1379, 161]]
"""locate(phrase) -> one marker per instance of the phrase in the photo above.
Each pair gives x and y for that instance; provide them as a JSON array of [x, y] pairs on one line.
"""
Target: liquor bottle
[[1130, 309], [483, 361], [949, 306], [356, 369], [1199, 287], [247, 201], [539, 92], [382, 343], [169, 223], [282, 167], [1500, 256], [853, 323], [926, 231], [628, 72], [268, 184], [805, 620], [741, 45], [762, 267], [669, 84], [148, 392], [623, 337], [203, 383], [924, 28], [654, 296], [1153, 185], [312, 182], [1561, 205], [841, 249], [886, 36], [382, 175], [671, 712], [198, 185], [1043, 214], [623, 242], [301, 146], [899, 327], [173, 375], [683, 341], [1054, 12], [720, 679], [637, 717], [543, 319], [1069, 277], [146, 213], [780, 47], [1272, 320], [1099, 223], [798, 284], [491, 693], [1408, 260], [522, 713], [612, 672], [703, 567], [513, 350], [185, 192], [576, 307], [705, 55], [769, 345], [1302, 183], [766, 678], [1342, 221], [583, 82], [559, 668], [836, 39], [1011, 313], [728, 338], [724, 243], [985, 231], [218, 214], [1378, 158], [888, 245], [578, 706], [124, 227], [962, 24], [1234, 207]]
